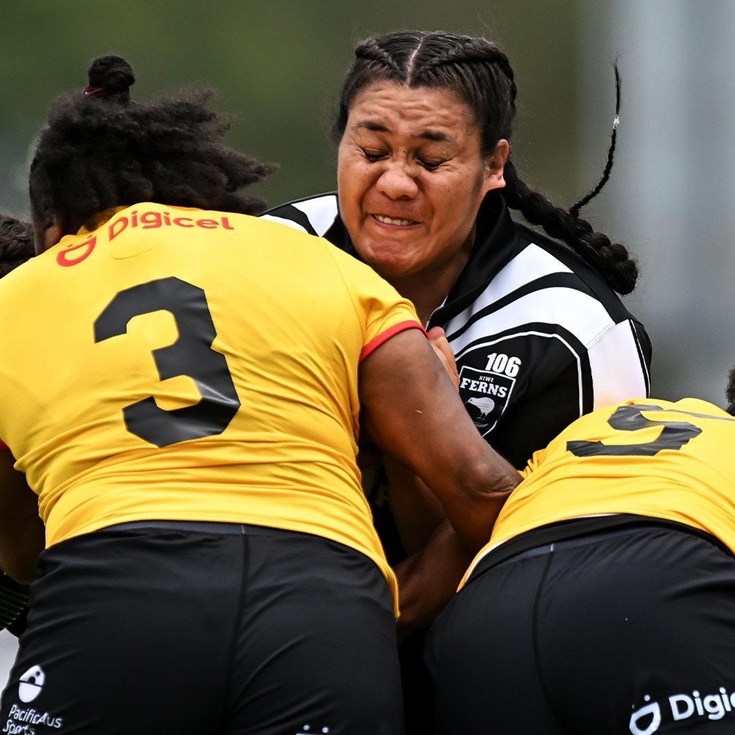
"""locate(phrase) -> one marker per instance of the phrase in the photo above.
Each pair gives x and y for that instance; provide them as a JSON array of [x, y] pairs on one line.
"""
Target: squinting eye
[[371, 156], [431, 165]]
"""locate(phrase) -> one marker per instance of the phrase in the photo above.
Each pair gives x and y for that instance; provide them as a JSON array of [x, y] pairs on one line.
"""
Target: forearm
[[415, 510], [428, 579], [21, 529], [415, 415]]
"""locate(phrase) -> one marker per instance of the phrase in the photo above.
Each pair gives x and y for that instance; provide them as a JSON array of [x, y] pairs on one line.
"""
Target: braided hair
[[16, 243], [100, 150], [480, 73]]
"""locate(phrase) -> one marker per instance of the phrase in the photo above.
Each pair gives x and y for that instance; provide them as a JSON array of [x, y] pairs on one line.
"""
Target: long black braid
[[481, 74], [100, 150]]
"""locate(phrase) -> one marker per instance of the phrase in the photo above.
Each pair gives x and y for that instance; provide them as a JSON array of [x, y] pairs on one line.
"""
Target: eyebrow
[[432, 135]]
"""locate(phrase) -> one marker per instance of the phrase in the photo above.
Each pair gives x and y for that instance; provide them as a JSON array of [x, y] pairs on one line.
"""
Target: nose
[[398, 180]]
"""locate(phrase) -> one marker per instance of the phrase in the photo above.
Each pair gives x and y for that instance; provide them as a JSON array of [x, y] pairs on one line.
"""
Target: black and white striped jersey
[[538, 336]]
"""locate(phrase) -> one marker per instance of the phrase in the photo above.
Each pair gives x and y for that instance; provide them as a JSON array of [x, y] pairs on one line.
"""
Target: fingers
[[439, 342]]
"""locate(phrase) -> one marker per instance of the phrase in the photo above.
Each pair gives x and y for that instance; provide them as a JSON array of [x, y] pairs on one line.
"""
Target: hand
[[438, 340]]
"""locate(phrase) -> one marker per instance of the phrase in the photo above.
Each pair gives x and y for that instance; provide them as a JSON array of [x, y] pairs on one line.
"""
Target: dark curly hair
[[730, 392], [16, 243], [100, 150], [476, 70]]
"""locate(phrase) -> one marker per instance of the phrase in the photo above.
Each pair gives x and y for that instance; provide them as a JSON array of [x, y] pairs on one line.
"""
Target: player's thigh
[[317, 647], [481, 654], [637, 634]]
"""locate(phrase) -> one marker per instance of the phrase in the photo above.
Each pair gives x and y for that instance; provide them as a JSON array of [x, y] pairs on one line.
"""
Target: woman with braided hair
[[426, 183], [426, 178], [181, 409]]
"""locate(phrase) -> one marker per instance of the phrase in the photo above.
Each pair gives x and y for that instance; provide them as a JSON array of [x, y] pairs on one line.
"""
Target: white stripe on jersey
[[529, 265], [575, 311], [320, 211], [616, 368]]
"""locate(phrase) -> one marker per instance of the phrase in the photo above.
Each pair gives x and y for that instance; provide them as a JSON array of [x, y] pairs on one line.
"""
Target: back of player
[[180, 390], [605, 600], [171, 353]]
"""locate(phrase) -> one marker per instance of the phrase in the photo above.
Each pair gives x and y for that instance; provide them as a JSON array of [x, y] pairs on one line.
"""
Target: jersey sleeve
[[382, 311], [381, 338], [619, 365], [314, 215]]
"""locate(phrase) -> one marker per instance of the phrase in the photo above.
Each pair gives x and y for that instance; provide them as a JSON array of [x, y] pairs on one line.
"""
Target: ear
[[495, 165]]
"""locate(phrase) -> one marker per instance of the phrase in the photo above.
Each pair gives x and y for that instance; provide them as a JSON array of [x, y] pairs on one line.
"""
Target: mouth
[[385, 220]]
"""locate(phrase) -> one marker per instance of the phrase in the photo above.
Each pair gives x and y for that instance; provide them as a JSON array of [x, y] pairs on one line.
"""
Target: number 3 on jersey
[[192, 354]]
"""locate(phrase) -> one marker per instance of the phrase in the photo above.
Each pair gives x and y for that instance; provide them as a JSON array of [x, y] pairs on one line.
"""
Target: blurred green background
[[279, 65]]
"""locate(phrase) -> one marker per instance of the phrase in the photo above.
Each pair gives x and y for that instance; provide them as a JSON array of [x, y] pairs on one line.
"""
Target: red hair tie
[[94, 91]]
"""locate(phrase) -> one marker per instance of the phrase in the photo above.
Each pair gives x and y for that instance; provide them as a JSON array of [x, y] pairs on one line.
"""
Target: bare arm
[[21, 529], [428, 579], [415, 510], [414, 414]]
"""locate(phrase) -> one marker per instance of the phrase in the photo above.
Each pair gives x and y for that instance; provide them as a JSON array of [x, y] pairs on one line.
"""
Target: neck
[[428, 290]]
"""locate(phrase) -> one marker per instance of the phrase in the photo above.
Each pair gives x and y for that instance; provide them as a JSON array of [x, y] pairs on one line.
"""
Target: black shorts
[[625, 631], [205, 628]]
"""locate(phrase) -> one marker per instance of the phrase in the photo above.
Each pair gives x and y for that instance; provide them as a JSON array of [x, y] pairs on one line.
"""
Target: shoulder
[[544, 277], [315, 214], [550, 257]]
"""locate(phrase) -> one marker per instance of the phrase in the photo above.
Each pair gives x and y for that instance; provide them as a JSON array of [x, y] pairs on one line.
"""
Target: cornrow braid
[[482, 76], [95, 154], [473, 68], [371, 52], [466, 50], [611, 260]]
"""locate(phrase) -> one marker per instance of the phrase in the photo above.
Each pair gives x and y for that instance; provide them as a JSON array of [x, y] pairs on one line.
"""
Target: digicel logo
[[76, 253], [148, 220]]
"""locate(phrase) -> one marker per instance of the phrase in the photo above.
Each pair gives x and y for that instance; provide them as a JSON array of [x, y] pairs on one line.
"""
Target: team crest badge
[[485, 395]]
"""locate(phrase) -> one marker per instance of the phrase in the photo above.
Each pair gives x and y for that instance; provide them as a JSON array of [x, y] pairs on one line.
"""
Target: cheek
[[348, 206], [349, 172], [453, 205]]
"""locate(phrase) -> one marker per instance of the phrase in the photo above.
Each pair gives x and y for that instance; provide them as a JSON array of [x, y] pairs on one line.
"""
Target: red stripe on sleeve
[[375, 343]]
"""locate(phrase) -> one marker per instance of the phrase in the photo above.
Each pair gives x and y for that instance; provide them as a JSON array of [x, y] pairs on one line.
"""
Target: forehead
[[429, 112]]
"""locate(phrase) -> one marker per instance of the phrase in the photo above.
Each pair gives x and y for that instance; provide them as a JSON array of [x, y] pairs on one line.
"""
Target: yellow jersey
[[644, 457], [182, 364]]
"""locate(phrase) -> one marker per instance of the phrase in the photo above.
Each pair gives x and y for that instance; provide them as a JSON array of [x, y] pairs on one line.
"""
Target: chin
[[386, 265]]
